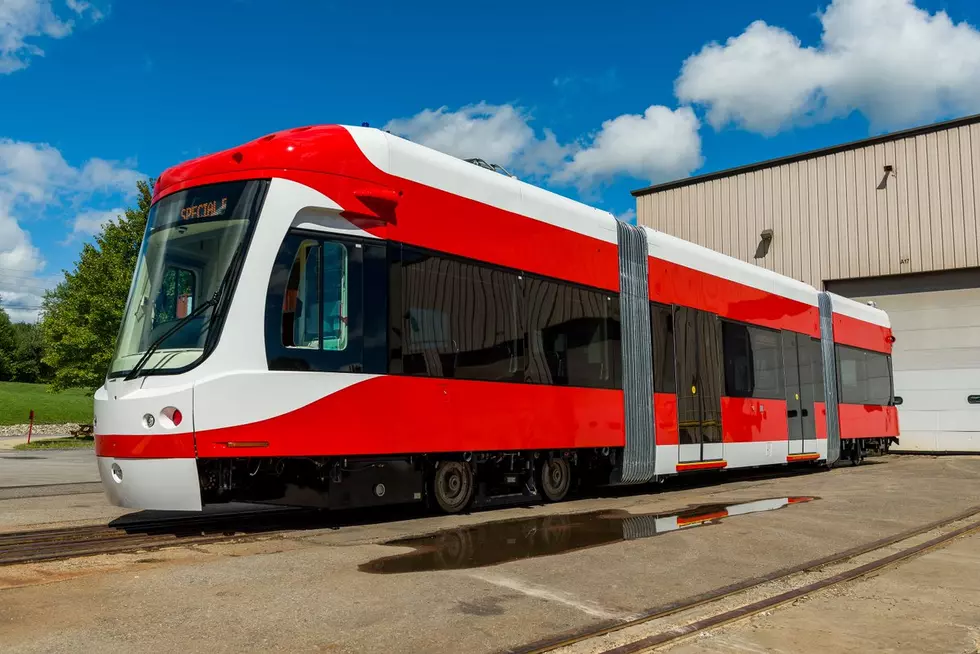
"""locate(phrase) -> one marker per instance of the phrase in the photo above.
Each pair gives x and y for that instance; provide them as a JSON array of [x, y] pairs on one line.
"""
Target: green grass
[[17, 400], [57, 443]]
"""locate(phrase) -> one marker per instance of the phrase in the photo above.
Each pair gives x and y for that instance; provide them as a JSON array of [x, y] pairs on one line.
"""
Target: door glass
[[807, 383], [711, 376], [791, 369], [686, 351]]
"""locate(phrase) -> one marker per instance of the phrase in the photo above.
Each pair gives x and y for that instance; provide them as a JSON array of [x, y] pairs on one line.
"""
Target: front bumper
[[161, 484]]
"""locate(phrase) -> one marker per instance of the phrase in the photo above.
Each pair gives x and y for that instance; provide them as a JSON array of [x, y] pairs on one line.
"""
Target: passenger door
[[700, 381], [798, 371]]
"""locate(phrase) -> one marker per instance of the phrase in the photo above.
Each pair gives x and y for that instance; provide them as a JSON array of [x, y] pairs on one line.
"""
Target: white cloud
[[39, 173], [888, 59], [21, 290], [658, 145], [37, 183], [498, 134], [24, 22], [90, 223]]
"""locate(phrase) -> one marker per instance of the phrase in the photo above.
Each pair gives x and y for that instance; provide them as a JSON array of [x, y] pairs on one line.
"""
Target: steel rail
[[655, 641], [607, 627], [54, 544]]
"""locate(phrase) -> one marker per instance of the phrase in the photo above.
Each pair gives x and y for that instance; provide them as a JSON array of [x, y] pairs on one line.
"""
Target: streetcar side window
[[879, 372], [865, 377], [460, 320], [662, 330], [753, 361], [574, 336]]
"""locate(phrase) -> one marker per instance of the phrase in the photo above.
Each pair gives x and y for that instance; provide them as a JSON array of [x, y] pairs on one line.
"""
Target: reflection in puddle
[[511, 540]]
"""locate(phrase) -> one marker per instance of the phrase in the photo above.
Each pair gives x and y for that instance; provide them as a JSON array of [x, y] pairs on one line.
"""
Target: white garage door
[[937, 367]]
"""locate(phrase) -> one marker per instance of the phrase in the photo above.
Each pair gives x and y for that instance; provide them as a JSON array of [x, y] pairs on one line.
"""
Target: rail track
[[610, 637], [53, 544]]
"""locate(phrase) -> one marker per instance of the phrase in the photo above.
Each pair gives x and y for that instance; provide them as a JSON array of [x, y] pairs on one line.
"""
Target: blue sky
[[589, 100]]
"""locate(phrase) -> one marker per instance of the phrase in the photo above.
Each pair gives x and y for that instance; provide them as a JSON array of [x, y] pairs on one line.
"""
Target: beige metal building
[[894, 219]]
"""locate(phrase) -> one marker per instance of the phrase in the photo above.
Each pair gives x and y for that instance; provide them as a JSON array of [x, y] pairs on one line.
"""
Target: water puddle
[[511, 540]]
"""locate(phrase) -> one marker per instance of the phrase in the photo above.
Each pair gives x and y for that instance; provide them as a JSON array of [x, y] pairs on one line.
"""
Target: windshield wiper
[[213, 302], [155, 345]]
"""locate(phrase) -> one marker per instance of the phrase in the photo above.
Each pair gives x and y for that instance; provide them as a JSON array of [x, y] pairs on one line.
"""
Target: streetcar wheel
[[452, 486], [556, 478]]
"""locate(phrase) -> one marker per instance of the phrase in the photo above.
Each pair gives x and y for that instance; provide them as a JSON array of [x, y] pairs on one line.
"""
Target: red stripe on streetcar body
[[701, 465], [157, 446], [702, 517], [857, 333], [751, 420], [665, 418], [432, 415], [820, 419], [868, 421], [812, 456], [671, 283]]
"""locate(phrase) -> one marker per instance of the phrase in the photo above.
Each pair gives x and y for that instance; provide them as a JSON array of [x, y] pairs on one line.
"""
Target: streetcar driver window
[[334, 296], [301, 309]]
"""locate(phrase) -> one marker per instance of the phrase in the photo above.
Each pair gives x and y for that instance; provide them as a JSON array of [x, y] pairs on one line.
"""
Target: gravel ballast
[[55, 429]]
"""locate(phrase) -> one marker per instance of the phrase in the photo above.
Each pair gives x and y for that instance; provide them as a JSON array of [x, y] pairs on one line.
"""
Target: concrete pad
[[46, 467], [929, 604], [304, 591]]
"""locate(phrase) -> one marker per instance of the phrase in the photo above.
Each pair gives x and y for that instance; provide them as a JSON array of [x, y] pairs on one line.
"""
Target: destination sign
[[205, 210]]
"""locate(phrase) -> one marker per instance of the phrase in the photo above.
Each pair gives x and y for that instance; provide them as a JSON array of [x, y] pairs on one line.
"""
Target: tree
[[28, 354], [8, 343], [81, 316]]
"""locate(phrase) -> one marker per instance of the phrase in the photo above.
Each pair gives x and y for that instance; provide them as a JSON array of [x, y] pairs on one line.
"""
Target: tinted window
[[334, 290], [327, 306], [753, 361], [816, 363], [662, 331], [865, 377], [878, 368], [301, 300], [738, 360], [460, 320], [573, 335]]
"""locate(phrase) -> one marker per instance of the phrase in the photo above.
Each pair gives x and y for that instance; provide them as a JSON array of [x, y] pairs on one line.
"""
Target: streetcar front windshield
[[193, 246]]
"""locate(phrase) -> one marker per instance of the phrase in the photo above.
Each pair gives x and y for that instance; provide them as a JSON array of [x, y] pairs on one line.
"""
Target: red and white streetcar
[[335, 316]]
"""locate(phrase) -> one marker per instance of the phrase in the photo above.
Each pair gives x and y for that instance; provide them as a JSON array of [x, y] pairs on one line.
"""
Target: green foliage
[[18, 400], [8, 343], [28, 354], [21, 351], [81, 316]]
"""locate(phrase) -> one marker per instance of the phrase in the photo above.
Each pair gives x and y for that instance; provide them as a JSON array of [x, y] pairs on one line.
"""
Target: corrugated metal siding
[[830, 220]]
